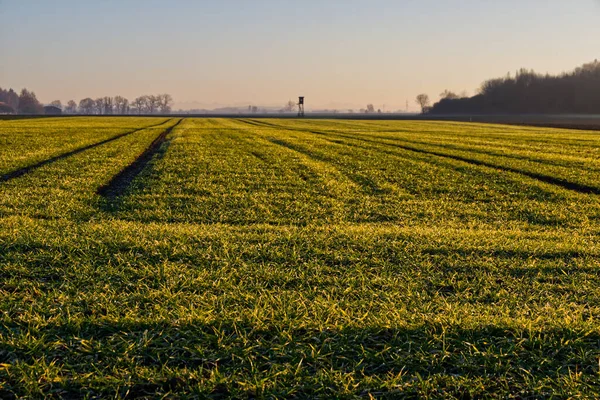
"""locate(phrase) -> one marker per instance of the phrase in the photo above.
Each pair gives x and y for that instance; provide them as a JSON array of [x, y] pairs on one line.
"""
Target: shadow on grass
[[180, 358]]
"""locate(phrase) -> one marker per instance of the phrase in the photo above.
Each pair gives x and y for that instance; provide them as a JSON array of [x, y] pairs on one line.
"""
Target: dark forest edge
[[576, 92]]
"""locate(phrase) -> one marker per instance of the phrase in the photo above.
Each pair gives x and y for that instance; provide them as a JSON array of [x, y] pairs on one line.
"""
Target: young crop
[[298, 259]]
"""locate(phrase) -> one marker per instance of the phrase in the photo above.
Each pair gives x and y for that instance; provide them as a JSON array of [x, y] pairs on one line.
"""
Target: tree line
[[24, 103], [576, 92], [27, 103]]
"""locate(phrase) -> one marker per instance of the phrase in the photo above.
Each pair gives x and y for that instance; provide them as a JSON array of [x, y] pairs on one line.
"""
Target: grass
[[25, 142], [309, 259]]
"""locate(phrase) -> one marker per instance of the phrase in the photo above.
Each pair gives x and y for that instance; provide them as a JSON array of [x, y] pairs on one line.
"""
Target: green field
[[298, 258]]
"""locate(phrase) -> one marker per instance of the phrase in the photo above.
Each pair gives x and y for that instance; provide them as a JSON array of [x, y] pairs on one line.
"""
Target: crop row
[[309, 259], [571, 157], [67, 186], [236, 172], [29, 141]]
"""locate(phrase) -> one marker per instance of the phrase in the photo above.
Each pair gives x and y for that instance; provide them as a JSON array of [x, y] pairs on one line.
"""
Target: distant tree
[[124, 107], [139, 103], [379, 111], [254, 109], [107, 105], [289, 106], [56, 103], [351, 111], [71, 107], [99, 105], [10, 97], [121, 104], [87, 106], [164, 103], [447, 94], [423, 102], [370, 108], [152, 103], [145, 107], [29, 104]]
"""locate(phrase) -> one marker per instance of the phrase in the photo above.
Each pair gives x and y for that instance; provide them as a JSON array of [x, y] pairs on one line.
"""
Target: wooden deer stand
[[301, 106]]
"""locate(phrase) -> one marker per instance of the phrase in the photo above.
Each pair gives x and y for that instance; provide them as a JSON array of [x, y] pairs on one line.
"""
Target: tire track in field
[[367, 184], [566, 184], [512, 146], [443, 146], [440, 164], [493, 152], [343, 143], [22, 171], [119, 183]]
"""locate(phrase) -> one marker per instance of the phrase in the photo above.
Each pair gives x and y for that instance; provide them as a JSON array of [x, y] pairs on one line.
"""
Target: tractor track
[[574, 186], [119, 183], [25, 170]]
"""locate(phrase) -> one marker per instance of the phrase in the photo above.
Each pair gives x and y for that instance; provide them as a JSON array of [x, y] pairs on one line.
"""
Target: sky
[[340, 54]]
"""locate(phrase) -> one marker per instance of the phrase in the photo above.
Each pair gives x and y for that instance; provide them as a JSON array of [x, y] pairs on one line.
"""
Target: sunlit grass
[[310, 259]]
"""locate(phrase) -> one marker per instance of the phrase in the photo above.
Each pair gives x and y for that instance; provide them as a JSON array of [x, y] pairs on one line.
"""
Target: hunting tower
[[301, 106]]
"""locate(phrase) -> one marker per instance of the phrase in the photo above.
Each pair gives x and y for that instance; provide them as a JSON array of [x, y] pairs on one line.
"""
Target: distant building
[[5, 109], [51, 110]]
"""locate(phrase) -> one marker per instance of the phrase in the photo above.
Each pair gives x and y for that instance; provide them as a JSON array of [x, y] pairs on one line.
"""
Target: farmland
[[150, 257]]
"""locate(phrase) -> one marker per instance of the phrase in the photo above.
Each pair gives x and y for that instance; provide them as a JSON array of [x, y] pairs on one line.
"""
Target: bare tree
[[120, 104], [370, 108], [87, 106], [152, 102], [71, 107], [164, 103], [423, 102], [289, 106], [139, 103], [124, 106], [99, 105], [107, 105]]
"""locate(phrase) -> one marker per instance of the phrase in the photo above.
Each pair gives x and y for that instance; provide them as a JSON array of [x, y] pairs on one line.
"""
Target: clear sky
[[338, 53]]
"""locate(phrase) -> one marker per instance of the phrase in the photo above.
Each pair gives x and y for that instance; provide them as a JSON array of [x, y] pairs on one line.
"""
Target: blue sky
[[341, 54]]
